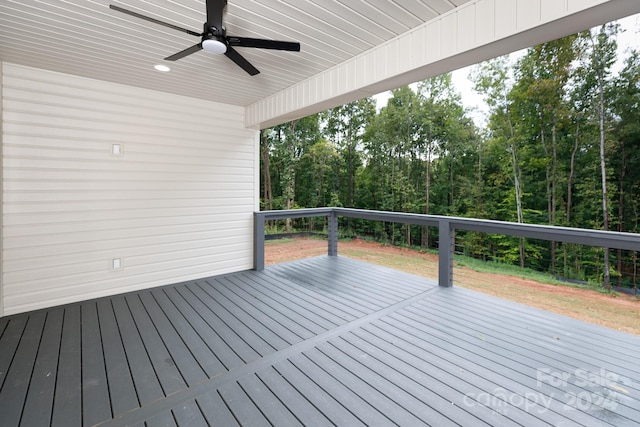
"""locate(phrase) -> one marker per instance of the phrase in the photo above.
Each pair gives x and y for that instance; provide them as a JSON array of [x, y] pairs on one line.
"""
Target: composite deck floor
[[324, 341]]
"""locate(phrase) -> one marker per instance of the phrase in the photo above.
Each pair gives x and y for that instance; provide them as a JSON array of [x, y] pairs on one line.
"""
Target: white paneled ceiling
[[86, 38]]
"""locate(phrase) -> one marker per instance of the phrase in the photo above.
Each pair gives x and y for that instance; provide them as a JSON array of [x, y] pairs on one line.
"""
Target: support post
[[332, 231], [445, 253], [258, 241]]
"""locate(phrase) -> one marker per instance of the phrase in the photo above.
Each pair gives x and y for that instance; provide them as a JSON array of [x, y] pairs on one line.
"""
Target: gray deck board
[[205, 357], [255, 344], [209, 310], [4, 322], [333, 309], [95, 392], [215, 411], [399, 394], [322, 284], [121, 387], [324, 341], [421, 377], [291, 324], [576, 335], [241, 406], [9, 342], [189, 414], [270, 324], [320, 398], [292, 273], [506, 366], [542, 345], [39, 402], [295, 402], [431, 343], [294, 304], [267, 403], [344, 379], [220, 349], [475, 378], [391, 285], [169, 376], [179, 354], [163, 419], [382, 293], [144, 376], [15, 387], [67, 405], [358, 293]]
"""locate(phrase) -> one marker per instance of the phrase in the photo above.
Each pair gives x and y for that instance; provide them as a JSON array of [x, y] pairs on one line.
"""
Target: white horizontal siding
[[177, 205]]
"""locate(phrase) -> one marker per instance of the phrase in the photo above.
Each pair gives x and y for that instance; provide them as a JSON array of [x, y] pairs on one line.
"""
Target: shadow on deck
[[321, 341]]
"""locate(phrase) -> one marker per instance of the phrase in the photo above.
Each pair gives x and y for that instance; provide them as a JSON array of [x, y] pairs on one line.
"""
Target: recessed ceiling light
[[162, 68]]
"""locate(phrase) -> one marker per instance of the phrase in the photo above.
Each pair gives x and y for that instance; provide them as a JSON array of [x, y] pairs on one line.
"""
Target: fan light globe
[[214, 46]]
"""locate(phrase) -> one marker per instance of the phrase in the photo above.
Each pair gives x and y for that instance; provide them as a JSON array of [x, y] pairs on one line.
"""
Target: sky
[[629, 38]]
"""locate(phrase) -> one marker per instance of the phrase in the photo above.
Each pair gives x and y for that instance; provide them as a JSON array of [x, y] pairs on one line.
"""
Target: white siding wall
[[177, 204]]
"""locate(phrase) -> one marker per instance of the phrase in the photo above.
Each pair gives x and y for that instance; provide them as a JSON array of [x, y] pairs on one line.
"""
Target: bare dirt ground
[[619, 311]]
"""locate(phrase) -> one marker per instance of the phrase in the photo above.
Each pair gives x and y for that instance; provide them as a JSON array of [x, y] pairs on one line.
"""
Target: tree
[[540, 96], [562, 133], [601, 57], [290, 142], [386, 143], [446, 130], [345, 126], [431, 92], [626, 96], [492, 80], [318, 170], [265, 148]]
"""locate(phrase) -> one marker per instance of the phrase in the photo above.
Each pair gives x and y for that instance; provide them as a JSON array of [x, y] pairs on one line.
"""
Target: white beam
[[472, 33]]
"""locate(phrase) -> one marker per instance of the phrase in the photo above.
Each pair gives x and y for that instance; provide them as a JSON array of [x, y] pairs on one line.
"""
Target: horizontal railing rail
[[447, 226]]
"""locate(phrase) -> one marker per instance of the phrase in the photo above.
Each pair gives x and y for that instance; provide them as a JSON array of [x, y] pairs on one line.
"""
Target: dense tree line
[[561, 147]]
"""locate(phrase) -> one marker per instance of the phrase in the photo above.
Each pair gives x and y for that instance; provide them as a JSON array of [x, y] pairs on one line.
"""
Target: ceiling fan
[[214, 38]]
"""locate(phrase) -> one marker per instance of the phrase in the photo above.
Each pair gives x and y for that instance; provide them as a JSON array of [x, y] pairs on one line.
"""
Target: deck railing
[[446, 226]]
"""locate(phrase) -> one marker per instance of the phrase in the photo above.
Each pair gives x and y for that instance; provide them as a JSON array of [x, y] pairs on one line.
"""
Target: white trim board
[[475, 32]]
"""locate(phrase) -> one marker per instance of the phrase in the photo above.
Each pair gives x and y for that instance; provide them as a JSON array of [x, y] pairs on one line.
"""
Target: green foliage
[[537, 161]]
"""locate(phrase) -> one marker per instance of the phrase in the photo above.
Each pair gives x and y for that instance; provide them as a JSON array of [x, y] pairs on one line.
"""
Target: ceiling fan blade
[[264, 44], [241, 61], [215, 9], [183, 53], [155, 21]]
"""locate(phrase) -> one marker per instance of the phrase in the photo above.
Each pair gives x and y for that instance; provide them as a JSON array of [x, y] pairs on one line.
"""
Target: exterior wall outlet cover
[[116, 264], [116, 150]]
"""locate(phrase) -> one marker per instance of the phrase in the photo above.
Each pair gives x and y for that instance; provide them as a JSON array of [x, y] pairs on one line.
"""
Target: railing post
[[332, 231], [445, 253], [258, 241]]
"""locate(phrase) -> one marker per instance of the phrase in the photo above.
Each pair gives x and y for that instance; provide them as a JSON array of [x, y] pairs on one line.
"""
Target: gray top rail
[[605, 239]]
